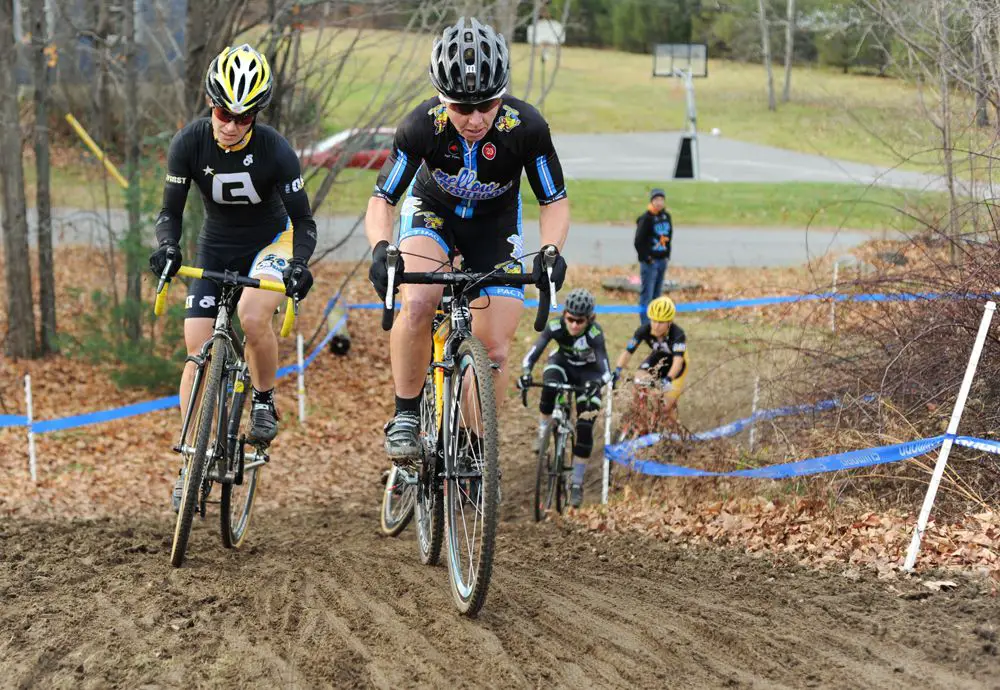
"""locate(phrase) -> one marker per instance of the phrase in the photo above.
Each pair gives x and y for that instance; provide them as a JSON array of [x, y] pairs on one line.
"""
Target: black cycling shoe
[[402, 438], [263, 423]]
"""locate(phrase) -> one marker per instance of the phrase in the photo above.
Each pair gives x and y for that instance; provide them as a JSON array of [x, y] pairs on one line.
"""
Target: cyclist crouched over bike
[[668, 361], [257, 219], [580, 359], [464, 150]]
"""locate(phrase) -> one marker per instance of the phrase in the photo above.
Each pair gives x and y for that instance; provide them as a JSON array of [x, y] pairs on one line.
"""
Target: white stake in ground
[[32, 462], [607, 442], [956, 416], [753, 411], [833, 298], [302, 380]]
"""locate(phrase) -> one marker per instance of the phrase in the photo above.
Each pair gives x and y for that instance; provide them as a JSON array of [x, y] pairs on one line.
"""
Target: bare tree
[[20, 311], [43, 197], [133, 198], [786, 95], [765, 45]]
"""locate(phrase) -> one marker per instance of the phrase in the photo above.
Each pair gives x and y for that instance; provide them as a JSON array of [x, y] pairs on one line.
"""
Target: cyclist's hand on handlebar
[[524, 382], [615, 376], [298, 279], [378, 274], [167, 252], [541, 276]]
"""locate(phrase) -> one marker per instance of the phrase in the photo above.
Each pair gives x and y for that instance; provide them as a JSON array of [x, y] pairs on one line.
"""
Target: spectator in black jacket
[[654, 231]]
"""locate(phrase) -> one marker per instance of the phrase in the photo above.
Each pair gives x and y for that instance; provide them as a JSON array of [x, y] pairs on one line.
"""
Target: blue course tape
[[144, 407], [12, 420], [105, 415], [750, 302], [829, 463]]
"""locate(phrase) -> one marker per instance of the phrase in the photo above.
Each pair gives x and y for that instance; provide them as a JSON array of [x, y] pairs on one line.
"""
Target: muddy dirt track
[[320, 599]]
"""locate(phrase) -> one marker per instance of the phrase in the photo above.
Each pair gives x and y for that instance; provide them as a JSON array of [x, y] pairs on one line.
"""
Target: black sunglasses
[[469, 108], [226, 116]]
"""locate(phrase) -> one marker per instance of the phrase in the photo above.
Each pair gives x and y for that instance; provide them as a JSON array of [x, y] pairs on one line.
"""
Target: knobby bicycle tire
[[543, 474], [429, 504], [470, 596], [197, 463], [397, 503], [234, 521]]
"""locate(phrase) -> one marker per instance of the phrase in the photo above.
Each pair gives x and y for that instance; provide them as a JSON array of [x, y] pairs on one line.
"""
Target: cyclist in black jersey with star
[[464, 151], [257, 219], [581, 360]]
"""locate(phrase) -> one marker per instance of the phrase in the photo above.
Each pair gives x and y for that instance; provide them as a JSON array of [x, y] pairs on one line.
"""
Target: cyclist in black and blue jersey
[[463, 151]]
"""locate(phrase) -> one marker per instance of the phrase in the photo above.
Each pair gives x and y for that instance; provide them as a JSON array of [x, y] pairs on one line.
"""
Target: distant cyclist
[[581, 359], [668, 362], [257, 219], [464, 151]]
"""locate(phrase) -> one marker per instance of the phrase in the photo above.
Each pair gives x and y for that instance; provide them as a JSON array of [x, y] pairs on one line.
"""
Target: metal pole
[[956, 416], [833, 299], [607, 442], [32, 462], [302, 380]]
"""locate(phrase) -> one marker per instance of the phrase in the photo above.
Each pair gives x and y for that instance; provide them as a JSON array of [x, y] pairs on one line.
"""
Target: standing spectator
[[654, 231]]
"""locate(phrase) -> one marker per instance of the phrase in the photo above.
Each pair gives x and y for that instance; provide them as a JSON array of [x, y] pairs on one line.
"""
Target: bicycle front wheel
[[547, 474], [397, 501], [472, 484], [197, 459], [237, 498]]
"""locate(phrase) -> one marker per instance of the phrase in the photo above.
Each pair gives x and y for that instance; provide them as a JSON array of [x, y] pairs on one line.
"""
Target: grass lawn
[[859, 118]]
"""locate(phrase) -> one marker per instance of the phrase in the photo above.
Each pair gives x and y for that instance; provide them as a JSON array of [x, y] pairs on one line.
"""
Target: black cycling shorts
[[267, 261], [484, 243]]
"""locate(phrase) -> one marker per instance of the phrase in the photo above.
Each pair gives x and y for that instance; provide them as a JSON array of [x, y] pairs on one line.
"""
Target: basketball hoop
[[684, 62]]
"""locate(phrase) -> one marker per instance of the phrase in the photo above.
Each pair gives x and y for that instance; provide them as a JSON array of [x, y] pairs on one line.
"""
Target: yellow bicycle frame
[[439, 338]]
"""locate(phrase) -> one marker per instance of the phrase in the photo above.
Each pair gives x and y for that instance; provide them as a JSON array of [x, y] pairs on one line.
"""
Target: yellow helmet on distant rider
[[661, 309], [239, 80]]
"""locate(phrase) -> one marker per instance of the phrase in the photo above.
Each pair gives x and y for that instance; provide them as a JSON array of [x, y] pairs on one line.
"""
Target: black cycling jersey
[[664, 349], [250, 191], [471, 180], [584, 350]]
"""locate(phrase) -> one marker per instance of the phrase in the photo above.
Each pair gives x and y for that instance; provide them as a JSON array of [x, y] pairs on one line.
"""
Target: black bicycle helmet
[[470, 62], [580, 302]]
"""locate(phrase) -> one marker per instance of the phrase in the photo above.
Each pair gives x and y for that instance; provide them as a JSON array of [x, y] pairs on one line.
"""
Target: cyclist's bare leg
[[409, 341], [196, 332], [256, 310]]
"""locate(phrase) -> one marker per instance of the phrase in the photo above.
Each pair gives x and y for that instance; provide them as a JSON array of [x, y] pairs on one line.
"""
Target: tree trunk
[[789, 50], [534, 49], [20, 310], [195, 57], [133, 196], [946, 137], [43, 197], [765, 44], [979, 64]]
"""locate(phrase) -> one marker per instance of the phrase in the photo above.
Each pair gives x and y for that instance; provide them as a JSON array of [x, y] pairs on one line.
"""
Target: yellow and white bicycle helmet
[[661, 309], [239, 80]]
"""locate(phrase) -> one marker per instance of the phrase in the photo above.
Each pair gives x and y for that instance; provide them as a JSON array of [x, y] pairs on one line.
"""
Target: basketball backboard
[[546, 32], [673, 59]]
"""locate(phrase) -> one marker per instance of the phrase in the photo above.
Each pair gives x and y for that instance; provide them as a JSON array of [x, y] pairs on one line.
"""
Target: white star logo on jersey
[[248, 160], [208, 171]]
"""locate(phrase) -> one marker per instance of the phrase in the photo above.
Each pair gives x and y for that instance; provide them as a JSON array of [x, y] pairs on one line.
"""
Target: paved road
[[651, 155], [599, 245]]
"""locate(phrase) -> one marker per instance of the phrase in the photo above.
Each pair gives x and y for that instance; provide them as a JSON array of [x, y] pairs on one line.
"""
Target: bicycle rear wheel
[[429, 504], [196, 461], [237, 499], [547, 473], [472, 484], [398, 498]]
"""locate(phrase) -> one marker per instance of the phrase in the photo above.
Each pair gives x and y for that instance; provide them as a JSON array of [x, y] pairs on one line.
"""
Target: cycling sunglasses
[[575, 319], [469, 108], [226, 116]]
